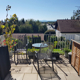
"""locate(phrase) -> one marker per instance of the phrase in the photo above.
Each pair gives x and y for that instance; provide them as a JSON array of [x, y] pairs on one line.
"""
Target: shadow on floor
[[46, 73], [64, 61], [21, 61]]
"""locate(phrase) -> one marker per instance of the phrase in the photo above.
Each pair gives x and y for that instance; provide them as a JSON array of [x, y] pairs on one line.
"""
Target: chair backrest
[[47, 50], [22, 42], [42, 50], [49, 53]]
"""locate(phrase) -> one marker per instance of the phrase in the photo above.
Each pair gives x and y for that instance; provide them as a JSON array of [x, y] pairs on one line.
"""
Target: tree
[[22, 21], [42, 29], [26, 28], [76, 14]]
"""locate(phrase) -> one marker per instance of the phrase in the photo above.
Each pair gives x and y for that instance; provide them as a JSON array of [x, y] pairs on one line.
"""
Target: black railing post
[[49, 38], [38, 39], [32, 39], [14, 53]]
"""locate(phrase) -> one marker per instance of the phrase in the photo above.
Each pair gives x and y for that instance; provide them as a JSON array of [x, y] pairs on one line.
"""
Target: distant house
[[67, 28], [50, 27]]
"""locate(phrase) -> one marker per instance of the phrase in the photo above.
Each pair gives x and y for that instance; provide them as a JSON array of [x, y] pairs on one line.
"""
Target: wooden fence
[[75, 60]]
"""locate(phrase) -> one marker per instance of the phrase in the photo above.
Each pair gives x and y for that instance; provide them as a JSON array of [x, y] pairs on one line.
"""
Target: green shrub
[[36, 39], [66, 50], [47, 32], [50, 31]]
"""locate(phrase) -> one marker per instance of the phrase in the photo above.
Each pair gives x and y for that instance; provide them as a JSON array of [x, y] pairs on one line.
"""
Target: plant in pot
[[9, 29], [66, 50], [31, 53]]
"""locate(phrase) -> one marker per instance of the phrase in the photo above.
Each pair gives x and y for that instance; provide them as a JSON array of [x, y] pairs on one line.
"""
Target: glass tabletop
[[38, 45]]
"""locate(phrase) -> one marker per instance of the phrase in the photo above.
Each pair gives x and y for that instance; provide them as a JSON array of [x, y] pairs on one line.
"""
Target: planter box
[[4, 62], [55, 55], [66, 55], [30, 55]]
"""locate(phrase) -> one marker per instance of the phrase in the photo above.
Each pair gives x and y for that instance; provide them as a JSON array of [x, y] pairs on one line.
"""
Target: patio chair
[[44, 55], [21, 48]]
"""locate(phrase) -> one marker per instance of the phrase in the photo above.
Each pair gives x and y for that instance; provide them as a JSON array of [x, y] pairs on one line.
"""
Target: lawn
[[54, 50], [59, 51]]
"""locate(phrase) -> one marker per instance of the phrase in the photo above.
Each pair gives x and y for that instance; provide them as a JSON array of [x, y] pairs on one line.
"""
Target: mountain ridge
[[47, 20]]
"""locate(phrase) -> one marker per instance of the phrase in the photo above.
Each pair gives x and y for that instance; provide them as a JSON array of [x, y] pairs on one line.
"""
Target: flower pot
[[4, 62], [66, 55], [69, 56], [66, 50], [31, 55]]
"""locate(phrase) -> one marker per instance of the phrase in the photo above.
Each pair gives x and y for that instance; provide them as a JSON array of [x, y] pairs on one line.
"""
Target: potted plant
[[66, 50], [5, 47], [31, 53], [9, 30]]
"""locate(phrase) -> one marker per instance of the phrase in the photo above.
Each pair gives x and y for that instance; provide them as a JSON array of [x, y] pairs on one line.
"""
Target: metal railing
[[58, 42]]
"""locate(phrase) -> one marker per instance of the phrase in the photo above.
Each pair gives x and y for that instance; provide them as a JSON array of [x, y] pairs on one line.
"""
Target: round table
[[38, 45]]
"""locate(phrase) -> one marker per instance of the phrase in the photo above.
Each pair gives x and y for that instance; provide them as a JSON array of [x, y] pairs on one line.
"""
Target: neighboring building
[[50, 27], [67, 28]]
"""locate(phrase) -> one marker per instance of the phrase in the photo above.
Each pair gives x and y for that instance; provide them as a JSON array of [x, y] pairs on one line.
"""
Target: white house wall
[[70, 36], [58, 34]]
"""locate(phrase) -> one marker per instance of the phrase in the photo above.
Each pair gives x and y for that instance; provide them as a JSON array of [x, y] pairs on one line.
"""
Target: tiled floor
[[63, 71]]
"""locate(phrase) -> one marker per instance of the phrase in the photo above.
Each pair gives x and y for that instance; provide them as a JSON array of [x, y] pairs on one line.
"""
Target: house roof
[[68, 26]]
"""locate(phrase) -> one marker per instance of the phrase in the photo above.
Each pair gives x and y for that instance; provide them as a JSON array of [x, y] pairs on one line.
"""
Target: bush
[[50, 31], [60, 44], [66, 50], [46, 34], [53, 38], [61, 38], [36, 39]]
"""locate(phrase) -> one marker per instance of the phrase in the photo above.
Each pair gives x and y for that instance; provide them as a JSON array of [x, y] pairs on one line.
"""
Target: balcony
[[26, 70]]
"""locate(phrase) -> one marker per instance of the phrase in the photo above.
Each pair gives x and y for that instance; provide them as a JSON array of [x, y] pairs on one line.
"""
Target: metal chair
[[45, 54], [21, 48]]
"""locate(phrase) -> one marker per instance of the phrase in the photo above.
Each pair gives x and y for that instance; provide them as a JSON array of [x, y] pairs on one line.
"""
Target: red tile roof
[[68, 26]]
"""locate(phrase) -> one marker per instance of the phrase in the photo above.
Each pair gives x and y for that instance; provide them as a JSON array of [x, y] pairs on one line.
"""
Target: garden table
[[42, 55], [38, 45]]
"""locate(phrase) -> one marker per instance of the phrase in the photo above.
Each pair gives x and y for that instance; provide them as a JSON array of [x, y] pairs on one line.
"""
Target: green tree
[[42, 29], [26, 28], [76, 14]]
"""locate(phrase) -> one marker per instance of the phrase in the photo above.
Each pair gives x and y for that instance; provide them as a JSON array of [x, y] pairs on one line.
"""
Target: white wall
[[69, 36], [58, 34]]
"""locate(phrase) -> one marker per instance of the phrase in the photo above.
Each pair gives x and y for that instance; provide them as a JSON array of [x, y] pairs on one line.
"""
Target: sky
[[39, 9]]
